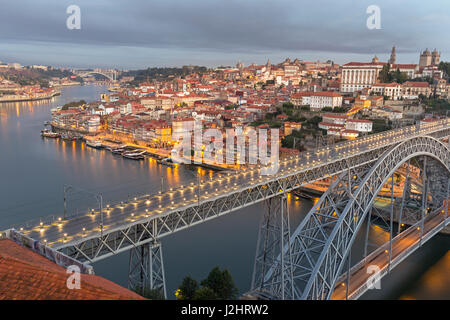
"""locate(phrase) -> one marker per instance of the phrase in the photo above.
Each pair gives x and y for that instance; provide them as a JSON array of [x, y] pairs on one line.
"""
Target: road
[[58, 232], [360, 274]]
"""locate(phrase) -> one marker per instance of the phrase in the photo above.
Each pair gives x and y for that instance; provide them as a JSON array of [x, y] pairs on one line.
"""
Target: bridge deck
[[402, 246], [319, 164]]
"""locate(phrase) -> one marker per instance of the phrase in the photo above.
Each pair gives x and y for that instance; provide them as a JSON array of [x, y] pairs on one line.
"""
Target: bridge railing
[[33, 223], [386, 246]]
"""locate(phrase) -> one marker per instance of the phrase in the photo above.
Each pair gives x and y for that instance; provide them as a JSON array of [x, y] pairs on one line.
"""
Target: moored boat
[[49, 134], [97, 144]]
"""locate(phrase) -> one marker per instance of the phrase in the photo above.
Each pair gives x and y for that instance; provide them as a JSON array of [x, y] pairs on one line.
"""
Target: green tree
[[204, 293], [221, 283], [187, 288], [384, 75], [154, 294], [445, 66]]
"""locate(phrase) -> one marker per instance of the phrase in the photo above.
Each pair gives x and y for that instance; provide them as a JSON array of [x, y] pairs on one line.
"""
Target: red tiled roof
[[326, 94], [26, 275], [336, 116], [416, 84], [359, 120]]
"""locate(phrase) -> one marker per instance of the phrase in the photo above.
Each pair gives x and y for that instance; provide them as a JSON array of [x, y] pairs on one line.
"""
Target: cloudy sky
[[132, 34]]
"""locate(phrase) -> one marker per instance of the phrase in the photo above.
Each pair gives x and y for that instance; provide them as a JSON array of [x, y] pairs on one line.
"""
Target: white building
[[93, 123], [334, 118], [320, 100], [392, 90], [359, 125], [356, 76]]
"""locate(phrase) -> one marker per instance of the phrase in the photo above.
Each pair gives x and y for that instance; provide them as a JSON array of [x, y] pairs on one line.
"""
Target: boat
[[49, 134], [97, 144], [134, 156], [68, 137], [135, 152], [167, 162], [118, 151]]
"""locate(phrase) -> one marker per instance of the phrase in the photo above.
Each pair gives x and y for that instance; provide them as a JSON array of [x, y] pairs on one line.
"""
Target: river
[[34, 171]]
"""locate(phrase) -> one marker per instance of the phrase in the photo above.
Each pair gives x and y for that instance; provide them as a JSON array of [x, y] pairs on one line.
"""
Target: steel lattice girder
[[116, 240], [146, 268], [155, 227], [274, 235], [323, 240]]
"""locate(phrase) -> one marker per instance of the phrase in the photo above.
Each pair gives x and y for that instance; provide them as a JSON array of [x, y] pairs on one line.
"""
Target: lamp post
[[198, 186]]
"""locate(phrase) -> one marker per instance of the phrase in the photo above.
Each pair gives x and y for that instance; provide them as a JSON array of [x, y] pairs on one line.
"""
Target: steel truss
[[274, 235], [146, 269], [131, 235], [320, 246], [115, 240]]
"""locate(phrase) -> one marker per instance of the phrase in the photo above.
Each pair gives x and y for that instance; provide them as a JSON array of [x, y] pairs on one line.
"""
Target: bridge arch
[[320, 245], [87, 73]]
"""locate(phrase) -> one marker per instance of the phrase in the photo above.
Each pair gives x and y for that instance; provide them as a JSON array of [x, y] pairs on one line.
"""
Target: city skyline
[[175, 34]]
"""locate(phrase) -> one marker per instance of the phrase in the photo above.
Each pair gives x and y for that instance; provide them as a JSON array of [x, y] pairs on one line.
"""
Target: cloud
[[218, 27]]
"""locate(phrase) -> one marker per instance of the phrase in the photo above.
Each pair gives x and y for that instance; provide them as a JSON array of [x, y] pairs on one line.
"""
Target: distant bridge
[[110, 74], [310, 263]]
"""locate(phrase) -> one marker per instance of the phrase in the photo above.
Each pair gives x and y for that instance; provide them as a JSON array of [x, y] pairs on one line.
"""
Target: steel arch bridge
[[311, 262], [111, 75], [139, 225]]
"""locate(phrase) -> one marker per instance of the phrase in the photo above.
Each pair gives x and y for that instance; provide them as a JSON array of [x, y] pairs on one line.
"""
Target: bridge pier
[[146, 269], [273, 248]]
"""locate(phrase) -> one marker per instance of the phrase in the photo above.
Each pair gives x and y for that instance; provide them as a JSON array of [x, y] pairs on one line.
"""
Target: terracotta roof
[[359, 121], [326, 94], [336, 116], [26, 275], [416, 84]]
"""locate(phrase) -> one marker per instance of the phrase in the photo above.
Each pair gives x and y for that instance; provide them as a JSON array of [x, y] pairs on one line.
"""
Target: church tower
[[393, 58], [435, 58], [425, 58]]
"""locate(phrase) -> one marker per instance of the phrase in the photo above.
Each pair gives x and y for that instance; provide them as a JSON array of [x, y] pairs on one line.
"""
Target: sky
[[133, 34]]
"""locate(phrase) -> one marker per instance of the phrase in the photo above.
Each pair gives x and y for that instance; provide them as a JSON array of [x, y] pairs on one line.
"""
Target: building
[[435, 58], [412, 89], [428, 58], [359, 125], [411, 70], [301, 99], [356, 76], [392, 90], [320, 100], [290, 126], [334, 118], [393, 58]]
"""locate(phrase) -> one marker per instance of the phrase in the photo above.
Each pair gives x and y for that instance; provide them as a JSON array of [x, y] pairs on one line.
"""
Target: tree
[[154, 294], [221, 283], [187, 289], [445, 66], [384, 75], [204, 293]]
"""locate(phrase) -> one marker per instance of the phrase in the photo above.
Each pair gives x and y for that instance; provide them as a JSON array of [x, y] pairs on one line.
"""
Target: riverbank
[[22, 98]]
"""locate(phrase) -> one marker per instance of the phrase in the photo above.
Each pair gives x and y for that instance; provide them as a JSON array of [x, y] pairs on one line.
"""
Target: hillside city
[[312, 103]]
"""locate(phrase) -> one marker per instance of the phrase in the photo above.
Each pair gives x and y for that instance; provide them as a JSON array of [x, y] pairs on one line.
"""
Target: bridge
[[313, 261], [110, 74]]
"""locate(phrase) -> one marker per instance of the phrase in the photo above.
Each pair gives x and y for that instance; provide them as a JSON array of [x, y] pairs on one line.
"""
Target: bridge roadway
[[160, 214], [402, 245]]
